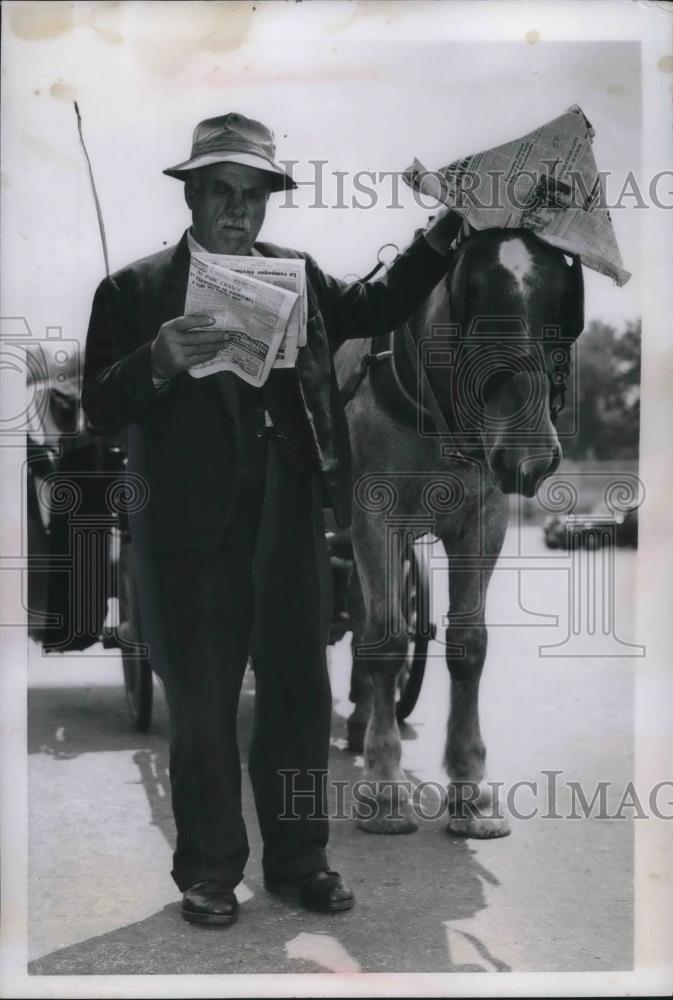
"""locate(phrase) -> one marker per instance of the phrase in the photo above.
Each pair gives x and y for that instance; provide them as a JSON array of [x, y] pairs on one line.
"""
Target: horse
[[448, 415]]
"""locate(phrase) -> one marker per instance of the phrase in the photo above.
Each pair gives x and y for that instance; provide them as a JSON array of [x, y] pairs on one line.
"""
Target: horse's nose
[[556, 456], [519, 471]]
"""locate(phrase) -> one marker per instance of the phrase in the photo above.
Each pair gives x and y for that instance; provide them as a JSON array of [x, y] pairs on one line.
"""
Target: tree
[[602, 414]]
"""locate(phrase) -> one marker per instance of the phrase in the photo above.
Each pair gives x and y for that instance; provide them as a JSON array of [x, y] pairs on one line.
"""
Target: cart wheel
[[416, 609], [137, 670]]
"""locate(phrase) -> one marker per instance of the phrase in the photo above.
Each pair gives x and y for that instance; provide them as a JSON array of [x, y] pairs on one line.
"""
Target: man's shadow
[[408, 888]]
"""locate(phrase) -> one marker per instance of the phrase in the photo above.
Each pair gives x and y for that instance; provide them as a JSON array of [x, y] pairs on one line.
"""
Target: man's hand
[[182, 342], [443, 229]]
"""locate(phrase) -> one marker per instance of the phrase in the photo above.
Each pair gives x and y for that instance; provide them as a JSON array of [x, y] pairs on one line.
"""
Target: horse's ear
[[572, 303]]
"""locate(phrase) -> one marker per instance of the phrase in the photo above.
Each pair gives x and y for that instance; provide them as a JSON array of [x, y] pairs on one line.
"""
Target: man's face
[[228, 204]]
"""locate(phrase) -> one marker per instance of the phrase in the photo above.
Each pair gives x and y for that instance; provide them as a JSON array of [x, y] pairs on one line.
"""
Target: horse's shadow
[[410, 891]]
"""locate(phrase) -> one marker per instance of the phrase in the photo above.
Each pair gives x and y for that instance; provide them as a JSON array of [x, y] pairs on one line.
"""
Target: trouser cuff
[[295, 869], [184, 877]]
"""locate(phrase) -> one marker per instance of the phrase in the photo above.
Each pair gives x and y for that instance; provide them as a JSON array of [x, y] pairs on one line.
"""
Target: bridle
[[557, 373], [572, 323]]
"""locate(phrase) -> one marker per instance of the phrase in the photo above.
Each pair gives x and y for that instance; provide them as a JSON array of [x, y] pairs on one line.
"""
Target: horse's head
[[518, 306]]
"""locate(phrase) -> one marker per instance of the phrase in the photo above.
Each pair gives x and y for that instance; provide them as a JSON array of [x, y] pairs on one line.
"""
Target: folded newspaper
[[259, 302], [289, 273], [547, 182]]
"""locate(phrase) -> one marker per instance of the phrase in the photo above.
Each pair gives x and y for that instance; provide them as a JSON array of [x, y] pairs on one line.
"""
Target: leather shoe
[[209, 902], [323, 890], [326, 892]]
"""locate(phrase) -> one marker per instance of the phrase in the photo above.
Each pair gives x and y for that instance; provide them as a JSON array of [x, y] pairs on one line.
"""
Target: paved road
[[556, 895]]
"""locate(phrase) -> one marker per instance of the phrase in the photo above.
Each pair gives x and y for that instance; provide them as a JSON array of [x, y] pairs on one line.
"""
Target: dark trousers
[[263, 592]]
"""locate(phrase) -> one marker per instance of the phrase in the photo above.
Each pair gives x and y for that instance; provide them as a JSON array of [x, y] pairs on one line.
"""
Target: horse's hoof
[[386, 815], [475, 811], [356, 736], [479, 827], [387, 825]]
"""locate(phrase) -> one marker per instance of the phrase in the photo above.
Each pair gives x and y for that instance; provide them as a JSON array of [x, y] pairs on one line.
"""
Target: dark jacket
[[183, 440]]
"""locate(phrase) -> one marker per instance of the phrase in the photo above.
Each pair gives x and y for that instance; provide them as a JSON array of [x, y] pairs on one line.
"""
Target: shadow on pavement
[[65, 722], [406, 887]]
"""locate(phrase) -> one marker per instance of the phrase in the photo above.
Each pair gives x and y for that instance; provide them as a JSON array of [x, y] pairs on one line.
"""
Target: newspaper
[[286, 272], [254, 313], [546, 181]]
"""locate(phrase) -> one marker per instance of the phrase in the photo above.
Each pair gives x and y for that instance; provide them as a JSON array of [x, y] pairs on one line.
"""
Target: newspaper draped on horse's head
[[516, 305]]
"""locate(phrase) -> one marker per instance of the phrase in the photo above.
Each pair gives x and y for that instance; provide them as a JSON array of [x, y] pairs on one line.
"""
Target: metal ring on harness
[[381, 263]]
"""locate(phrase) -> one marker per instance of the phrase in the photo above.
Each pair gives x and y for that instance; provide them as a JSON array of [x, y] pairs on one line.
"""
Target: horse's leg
[[474, 808], [382, 798], [361, 690]]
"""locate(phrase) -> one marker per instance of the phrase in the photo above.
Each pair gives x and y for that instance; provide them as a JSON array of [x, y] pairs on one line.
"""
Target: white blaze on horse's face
[[521, 443], [515, 258]]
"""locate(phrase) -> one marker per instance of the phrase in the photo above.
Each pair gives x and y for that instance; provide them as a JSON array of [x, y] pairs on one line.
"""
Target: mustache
[[228, 220]]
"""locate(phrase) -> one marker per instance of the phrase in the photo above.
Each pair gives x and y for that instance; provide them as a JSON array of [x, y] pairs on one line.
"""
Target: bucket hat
[[233, 138]]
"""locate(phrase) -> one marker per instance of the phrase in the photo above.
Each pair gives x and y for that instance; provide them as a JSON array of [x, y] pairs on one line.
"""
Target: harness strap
[[429, 397], [387, 356], [352, 384], [374, 270]]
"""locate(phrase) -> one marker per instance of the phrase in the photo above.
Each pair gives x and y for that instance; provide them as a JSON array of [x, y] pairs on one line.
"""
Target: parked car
[[592, 529]]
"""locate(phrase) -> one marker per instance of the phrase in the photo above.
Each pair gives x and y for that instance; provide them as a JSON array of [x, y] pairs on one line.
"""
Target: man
[[231, 544]]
